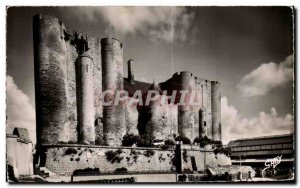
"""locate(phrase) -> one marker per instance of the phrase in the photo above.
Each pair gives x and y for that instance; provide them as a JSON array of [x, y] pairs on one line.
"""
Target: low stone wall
[[204, 158], [64, 160]]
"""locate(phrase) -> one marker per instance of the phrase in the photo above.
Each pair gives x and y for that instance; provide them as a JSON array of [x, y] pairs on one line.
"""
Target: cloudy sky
[[248, 49]]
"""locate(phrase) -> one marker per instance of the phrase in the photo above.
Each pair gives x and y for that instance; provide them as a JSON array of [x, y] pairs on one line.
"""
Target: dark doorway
[[193, 163]]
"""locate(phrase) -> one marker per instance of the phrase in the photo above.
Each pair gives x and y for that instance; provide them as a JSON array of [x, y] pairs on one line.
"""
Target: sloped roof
[[276, 139], [137, 85]]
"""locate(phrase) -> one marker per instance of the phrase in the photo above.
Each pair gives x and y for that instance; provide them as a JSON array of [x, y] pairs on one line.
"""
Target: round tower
[[187, 118], [50, 79], [216, 110], [160, 123], [112, 79], [202, 122], [85, 99]]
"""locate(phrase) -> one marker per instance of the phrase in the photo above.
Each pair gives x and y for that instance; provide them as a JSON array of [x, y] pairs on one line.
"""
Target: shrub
[[87, 171], [130, 139], [164, 147], [145, 141], [135, 158], [70, 151], [217, 142], [121, 170], [114, 156], [149, 153], [184, 156], [119, 151], [182, 178], [100, 142], [135, 155], [184, 139], [169, 142], [161, 158], [203, 141], [223, 150]]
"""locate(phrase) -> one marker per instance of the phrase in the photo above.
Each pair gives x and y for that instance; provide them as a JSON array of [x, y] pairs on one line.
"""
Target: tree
[[203, 141], [184, 139], [130, 139], [145, 140]]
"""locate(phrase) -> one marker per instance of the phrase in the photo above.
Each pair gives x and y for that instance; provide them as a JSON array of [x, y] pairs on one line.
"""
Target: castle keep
[[72, 70], [79, 128]]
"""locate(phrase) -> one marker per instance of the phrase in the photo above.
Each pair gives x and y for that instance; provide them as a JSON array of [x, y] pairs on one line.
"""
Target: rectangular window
[[285, 145], [268, 146], [263, 147]]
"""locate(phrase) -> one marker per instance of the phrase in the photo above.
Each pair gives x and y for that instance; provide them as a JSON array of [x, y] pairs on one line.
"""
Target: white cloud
[[159, 23], [266, 77], [235, 126], [19, 111]]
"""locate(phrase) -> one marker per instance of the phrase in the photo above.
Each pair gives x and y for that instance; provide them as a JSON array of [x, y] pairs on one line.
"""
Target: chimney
[[130, 71]]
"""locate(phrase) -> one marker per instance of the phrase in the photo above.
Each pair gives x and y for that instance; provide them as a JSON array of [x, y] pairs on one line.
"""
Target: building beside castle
[[71, 72]]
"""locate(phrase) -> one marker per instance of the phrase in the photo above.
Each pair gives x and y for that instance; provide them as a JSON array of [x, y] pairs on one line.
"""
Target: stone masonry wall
[[50, 79], [65, 160], [70, 131], [131, 117], [112, 74], [163, 121], [206, 102]]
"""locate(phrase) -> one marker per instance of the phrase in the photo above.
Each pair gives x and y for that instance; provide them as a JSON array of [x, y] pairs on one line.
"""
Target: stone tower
[[188, 125], [50, 78], [67, 98], [113, 114], [202, 117], [85, 99], [216, 110]]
